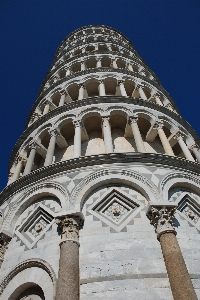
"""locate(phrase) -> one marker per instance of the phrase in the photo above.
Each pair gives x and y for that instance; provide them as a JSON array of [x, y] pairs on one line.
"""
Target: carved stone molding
[[70, 226], [161, 216]]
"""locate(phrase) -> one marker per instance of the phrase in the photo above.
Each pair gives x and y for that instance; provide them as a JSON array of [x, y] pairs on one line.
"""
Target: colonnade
[[156, 129], [104, 61], [100, 86]]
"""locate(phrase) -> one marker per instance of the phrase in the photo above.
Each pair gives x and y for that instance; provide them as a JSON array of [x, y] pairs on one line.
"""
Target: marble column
[[77, 138], [107, 135], [196, 152], [137, 135], [18, 168], [161, 216], [114, 64], [158, 101], [67, 72], [68, 284], [83, 67], [122, 89], [102, 91], [4, 241], [141, 92], [99, 63], [62, 98], [46, 108], [81, 92], [51, 147], [30, 160], [130, 67], [163, 139], [184, 147]]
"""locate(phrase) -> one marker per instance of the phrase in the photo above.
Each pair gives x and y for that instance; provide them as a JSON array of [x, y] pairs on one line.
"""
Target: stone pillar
[[99, 63], [158, 101], [114, 64], [141, 92], [122, 89], [196, 152], [83, 67], [102, 91], [163, 139], [77, 138], [161, 216], [130, 67], [18, 169], [46, 108], [136, 134], [67, 72], [62, 98], [107, 135], [184, 147], [81, 92], [4, 241], [30, 160], [68, 284], [51, 147]]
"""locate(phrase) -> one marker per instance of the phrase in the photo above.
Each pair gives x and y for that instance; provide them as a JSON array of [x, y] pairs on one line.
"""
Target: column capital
[[161, 216], [62, 92], [193, 147], [4, 241], [70, 226], [53, 132], [33, 145], [105, 119], [158, 124], [121, 81], [81, 85], [77, 122], [179, 136], [133, 119]]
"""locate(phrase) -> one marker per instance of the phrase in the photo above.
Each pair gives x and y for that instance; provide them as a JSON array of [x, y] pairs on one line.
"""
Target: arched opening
[[94, 144], [28, 291], [110, 86], [106, 62], [92, 88], [102, 48], [90, 48], [73, 91], [91, 63], [56, 98], [129, 87], [121, 64], [62, 73], [76, 67], [67, 131]]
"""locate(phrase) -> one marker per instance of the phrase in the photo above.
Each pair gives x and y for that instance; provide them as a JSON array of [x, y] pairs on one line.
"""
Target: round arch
[[31, 195], [32, 272], [108, 176]]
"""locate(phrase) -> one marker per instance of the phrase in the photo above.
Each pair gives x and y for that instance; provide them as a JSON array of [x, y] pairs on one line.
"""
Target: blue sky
[[165, 33]]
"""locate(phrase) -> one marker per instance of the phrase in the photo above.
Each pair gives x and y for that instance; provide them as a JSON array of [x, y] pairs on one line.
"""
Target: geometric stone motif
[[115, 208], [115, 211], [190, 209], [34, 227]]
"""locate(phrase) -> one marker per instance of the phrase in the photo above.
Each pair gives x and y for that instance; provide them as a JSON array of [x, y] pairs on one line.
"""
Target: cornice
[[158, 160], [96, 70], [98, 100]]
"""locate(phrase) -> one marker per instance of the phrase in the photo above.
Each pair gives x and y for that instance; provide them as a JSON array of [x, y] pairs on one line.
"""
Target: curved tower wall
[[103, 141]]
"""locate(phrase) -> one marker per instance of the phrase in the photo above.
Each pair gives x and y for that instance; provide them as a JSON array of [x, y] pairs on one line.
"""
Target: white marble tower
[[103, 195]]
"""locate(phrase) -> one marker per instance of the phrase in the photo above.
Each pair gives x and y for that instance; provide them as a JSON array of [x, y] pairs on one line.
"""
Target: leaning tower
[[103, 195]]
